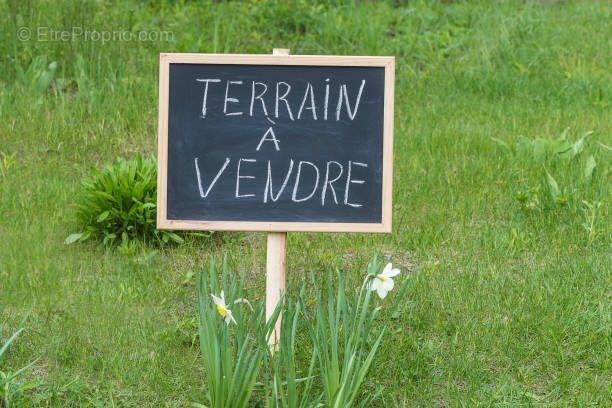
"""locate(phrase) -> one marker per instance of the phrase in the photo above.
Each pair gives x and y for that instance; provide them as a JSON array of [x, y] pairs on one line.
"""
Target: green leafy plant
[[339, 332], [345, 339], [232, 338], [565, 177], [541, 150], [37, 78], [287, 386], [118, 204], [558, 196], [528, 198], [10, 384]]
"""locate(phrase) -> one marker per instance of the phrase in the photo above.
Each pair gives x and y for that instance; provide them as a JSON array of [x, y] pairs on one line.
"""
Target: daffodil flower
[[245, 302], [222, 309], [383, 282]]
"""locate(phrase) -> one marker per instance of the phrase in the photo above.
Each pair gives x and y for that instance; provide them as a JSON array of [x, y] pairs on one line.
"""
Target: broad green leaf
[[553, 187], [561, 147], [103, 216], [541, 149], [524, 146], [589, 168], [176, 238], [72, 238]]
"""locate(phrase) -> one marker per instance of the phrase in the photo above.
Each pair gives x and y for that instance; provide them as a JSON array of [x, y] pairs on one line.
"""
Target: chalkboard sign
[[275, 143]]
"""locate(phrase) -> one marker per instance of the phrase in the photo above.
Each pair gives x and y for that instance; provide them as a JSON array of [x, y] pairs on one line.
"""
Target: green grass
[[506, 306]]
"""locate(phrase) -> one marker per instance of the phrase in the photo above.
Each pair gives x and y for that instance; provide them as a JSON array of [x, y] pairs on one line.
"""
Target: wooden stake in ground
[[275, 278], [276, 264]]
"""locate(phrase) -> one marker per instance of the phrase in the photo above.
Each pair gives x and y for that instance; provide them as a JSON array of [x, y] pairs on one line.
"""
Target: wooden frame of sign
[[388, 63]]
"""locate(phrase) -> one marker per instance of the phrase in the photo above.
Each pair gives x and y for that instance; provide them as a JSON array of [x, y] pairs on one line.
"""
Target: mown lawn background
[[508, 303]]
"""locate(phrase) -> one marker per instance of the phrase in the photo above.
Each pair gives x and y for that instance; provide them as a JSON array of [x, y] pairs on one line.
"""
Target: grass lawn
[[509, 295]]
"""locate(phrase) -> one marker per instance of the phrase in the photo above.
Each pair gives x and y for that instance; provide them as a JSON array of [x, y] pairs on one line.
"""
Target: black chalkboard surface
[[270, 143]]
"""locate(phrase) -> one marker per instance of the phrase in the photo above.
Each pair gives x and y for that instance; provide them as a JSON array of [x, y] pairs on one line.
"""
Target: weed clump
[[118, 205]]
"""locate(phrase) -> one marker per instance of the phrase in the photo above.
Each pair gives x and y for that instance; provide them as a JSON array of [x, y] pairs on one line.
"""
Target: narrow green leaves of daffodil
[[232, 357]]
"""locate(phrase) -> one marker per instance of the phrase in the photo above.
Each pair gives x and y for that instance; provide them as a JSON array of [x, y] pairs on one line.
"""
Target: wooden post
[[276, 265], [275, 278]]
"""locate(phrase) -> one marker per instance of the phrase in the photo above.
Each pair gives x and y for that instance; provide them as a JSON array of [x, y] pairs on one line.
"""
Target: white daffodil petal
[[374, 284], [387, 269], [388, 284], [229, 318], [392, 272], [382, 292], [218, 301]]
